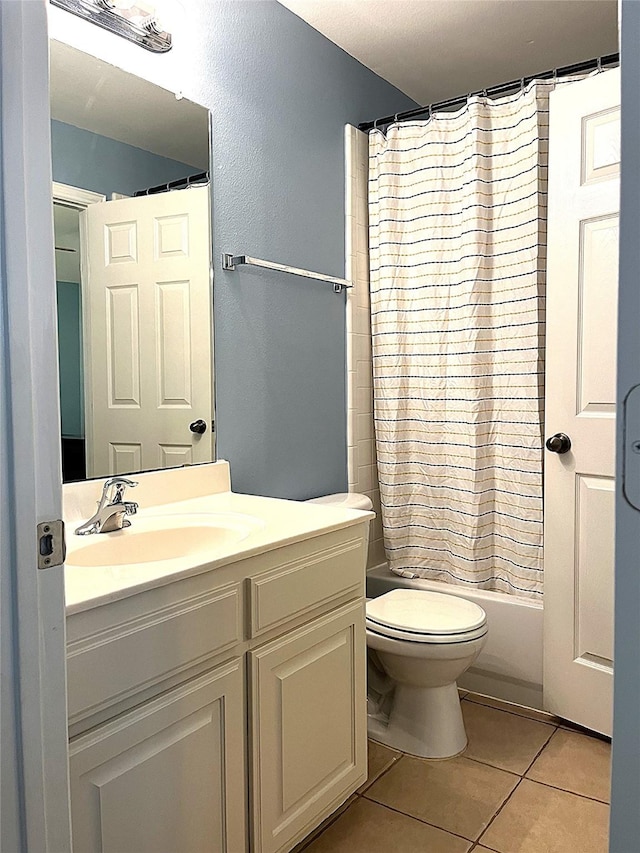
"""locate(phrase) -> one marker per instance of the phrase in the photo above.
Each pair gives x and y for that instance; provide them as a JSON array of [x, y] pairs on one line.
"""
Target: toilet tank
[[350, 500]]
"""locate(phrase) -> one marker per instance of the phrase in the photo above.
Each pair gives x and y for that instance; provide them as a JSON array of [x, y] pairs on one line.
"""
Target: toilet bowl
[[419, 644]]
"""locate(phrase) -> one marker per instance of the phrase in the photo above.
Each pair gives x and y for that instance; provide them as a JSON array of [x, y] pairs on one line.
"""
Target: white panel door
[[582, 288], [147, 337]]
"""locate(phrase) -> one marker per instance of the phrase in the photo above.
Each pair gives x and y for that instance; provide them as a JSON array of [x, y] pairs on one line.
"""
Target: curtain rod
[[179, 184], [588, 65]]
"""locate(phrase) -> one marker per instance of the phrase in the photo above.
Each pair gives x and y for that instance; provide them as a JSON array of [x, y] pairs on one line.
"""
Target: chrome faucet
[[112, 509]]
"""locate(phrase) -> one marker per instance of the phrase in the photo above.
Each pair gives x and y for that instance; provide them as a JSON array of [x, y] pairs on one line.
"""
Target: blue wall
[[70, 358], [283, 94], [93, 162], [280, 94]]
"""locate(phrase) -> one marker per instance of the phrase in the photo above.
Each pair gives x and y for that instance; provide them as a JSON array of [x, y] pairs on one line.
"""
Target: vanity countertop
[[272, 523]]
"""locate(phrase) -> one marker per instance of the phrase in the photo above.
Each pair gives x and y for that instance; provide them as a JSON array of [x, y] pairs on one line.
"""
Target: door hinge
[[52, 547]]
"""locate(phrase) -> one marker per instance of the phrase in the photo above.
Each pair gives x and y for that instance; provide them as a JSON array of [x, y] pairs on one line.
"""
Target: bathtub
[[510, 665]]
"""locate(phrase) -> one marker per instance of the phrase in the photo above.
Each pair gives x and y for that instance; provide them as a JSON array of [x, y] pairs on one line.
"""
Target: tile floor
[[527, 783]]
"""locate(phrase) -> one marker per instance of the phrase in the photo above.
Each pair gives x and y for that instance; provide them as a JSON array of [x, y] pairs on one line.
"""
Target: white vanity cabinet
[[156, 703], [223, 712], [167, 776], [308, 726], [307, 688]]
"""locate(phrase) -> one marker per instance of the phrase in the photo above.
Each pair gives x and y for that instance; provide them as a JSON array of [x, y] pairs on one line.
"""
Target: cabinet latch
[[52, 548]]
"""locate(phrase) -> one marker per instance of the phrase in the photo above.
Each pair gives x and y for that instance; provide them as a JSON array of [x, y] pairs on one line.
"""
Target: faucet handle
[[119, 481], [119, 484]]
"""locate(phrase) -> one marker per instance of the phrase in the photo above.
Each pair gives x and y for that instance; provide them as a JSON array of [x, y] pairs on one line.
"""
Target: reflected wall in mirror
[[133, 259]]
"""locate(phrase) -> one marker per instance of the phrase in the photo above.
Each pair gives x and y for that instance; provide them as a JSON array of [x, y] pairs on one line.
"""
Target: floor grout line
[[549, 722], [567, 791], [479, 839], [478, 845], [535, 758], [497, 767], [558, 722], [475, 843], [461, 755], [540, 751], [420, 820], [568, 726], [382, 773], [320, 830]]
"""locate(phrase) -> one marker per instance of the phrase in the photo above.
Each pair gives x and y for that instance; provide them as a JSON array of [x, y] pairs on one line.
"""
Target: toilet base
[[423, 721]]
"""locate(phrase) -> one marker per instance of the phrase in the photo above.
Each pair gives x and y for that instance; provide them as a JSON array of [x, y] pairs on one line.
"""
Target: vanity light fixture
[[135, 20]]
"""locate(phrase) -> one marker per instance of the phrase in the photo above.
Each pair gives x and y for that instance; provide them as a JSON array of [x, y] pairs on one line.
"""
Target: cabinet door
[[167, 777], [308, 726]]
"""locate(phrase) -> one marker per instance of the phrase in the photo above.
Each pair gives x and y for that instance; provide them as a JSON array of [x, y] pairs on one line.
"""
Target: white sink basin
[[156, 539]]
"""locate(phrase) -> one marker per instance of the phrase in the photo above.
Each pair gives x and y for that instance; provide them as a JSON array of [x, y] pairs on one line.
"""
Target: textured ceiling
[[436, 49]]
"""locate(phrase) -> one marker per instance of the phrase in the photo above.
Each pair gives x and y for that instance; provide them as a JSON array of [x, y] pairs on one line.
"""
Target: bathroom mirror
[[133, 270]]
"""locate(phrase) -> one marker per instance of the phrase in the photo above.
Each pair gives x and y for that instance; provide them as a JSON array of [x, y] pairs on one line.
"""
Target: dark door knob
[[559, 443], [198, 426]]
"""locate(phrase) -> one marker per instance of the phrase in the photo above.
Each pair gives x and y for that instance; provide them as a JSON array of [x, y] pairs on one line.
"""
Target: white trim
[[361, 463], [35, 493], [87, 390], [80, 200], [74, 196]]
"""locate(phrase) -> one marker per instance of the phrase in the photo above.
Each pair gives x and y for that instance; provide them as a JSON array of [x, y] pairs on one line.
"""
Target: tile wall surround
[[363, 473]]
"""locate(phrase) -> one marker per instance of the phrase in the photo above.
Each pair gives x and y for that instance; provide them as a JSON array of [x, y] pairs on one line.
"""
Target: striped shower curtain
[[457, 208]]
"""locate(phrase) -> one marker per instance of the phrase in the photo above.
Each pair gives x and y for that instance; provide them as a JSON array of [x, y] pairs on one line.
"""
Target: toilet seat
[[426, 639], [420, 616]]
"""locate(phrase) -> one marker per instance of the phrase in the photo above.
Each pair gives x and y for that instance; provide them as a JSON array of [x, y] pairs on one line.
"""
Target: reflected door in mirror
[[147, 331]]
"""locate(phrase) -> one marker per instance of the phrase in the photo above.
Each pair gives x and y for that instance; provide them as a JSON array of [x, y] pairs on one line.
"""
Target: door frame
[[37, 493], [74, 196], [625, 792], [35, 489], [80, 199]]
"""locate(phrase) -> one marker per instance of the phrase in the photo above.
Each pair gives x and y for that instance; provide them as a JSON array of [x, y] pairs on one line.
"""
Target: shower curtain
[[457, 208]]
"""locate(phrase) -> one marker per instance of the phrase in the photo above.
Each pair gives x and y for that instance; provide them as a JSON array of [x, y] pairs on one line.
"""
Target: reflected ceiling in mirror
[[133, 257]]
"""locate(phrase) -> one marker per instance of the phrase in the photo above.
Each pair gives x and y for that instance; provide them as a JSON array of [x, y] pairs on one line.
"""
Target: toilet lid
[[420, 612]]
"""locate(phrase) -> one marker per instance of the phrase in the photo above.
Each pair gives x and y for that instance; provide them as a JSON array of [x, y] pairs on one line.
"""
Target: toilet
[[419, 644]]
